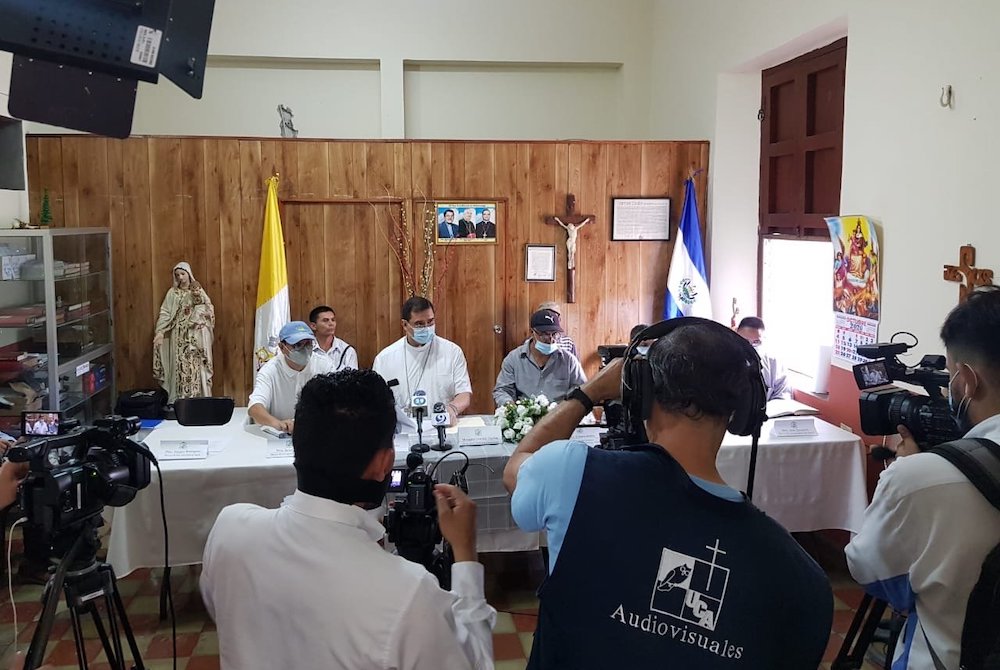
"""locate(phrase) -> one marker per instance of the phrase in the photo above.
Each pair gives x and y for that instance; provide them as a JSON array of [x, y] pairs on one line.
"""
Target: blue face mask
[[546, 348], [423, 334]]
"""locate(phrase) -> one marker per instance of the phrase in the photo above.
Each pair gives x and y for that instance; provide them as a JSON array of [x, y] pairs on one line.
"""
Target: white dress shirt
[[922, 546], [306, 586], [277, 386], [439, 368], [340, 353]]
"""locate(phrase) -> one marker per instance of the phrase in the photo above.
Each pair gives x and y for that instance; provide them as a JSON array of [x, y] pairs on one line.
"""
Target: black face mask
[[337, 487]]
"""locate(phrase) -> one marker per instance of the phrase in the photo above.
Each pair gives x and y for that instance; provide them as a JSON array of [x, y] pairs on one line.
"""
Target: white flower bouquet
[[516, 418]]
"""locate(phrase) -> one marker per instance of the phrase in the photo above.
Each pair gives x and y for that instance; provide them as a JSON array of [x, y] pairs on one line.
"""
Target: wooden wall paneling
[[596, 307], [71, 147], [340, 159], [388, 303], [315, 231], [258, 160], [542, 197], [120, 278], [34, 178], [50, 170], [195, 225], [654, 257], [625, 179], [166, 203], [511, 274], [140, 308], [233, 326], [572, 314], [93, 201]]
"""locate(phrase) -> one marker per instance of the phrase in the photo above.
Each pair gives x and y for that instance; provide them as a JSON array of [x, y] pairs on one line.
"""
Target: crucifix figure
[[571, 222], [969, 277]]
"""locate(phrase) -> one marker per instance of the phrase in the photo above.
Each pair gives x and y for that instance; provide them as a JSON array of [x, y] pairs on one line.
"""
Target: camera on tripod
[[883, 407], [412, 522], [73, 476]]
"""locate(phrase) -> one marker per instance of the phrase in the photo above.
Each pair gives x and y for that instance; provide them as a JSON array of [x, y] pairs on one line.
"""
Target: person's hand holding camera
[[11, 476], [606, 384], [908, 446], [457, 518]]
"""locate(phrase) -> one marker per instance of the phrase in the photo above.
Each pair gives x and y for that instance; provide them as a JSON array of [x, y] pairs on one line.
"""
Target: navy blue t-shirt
[[655, 571]]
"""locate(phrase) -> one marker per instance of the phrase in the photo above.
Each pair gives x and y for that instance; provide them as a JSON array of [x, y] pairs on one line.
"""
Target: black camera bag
[[979, 460], [143, 403]]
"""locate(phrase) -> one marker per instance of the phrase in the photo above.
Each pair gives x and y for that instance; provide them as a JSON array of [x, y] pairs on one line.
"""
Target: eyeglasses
[[300, 346], [545, 337]]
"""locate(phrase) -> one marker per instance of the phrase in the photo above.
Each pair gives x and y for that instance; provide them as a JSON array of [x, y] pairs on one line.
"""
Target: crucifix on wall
[[571, 222], [969, 277]]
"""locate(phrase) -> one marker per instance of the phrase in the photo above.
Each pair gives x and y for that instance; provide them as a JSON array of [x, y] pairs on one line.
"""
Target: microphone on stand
[[418, 406], [440, 420]]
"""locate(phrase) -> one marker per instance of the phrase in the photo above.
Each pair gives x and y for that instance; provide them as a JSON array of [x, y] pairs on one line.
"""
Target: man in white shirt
[[752, 330], [323, 322], [928, 530], [279, 381], [307, 585], [425, 361]]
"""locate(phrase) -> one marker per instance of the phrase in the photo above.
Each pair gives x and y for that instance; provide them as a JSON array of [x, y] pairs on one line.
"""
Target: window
[[797, 290], [802, 131]]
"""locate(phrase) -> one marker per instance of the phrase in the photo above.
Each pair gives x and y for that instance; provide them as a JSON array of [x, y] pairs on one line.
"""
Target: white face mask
[[299, 357]]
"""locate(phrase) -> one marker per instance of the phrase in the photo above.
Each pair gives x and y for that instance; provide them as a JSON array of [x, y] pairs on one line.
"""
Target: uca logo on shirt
[[690, 593]]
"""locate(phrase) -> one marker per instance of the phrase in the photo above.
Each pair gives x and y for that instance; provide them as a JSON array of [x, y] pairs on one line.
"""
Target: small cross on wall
[[969, 277]]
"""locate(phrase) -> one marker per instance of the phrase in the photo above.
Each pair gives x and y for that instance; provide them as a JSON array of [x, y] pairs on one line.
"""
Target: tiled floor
[[510, 582]]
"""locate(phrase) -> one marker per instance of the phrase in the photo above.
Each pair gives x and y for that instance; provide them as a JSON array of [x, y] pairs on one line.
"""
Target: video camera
[[883, 407], [73, 476], [619, 433], [412, 522]]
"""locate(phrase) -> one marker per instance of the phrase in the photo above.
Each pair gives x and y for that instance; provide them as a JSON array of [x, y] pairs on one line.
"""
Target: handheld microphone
[[418, 406], [440, 420]]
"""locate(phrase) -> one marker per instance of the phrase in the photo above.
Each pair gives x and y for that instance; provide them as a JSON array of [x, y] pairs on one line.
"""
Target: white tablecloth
[[804, 483]]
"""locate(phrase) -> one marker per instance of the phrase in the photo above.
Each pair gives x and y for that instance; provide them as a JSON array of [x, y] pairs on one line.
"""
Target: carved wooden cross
[[571, 222], [970, 277]]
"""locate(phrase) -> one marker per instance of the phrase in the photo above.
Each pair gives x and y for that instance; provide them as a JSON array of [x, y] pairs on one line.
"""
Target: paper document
[[280, 449], [182, 450], [787, 407]]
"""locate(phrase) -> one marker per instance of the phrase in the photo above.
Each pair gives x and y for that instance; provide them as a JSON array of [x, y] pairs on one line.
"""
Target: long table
[[804, 483]]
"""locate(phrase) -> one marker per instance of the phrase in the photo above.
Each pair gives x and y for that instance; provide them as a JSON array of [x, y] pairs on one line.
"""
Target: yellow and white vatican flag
[[272, 282]]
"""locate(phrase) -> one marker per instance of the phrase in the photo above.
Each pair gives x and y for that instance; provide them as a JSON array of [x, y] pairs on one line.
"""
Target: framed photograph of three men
[[466, 222]]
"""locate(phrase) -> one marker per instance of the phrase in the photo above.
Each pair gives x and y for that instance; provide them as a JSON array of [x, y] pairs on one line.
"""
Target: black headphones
[[637, 380]]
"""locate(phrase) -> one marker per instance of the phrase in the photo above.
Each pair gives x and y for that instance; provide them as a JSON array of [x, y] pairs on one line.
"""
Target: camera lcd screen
[[40, 423], [397, 480], [872, 374]]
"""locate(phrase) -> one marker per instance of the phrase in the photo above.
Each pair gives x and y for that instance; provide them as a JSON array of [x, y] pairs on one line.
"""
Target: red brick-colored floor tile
[[842, 620], [507, 647], [161, 646], [203, 663], [524, 623], [833, 647], [850, 597], [64, 652]]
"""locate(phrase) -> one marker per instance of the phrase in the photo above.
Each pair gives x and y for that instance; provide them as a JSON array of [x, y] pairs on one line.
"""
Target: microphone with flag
[[687, 281]]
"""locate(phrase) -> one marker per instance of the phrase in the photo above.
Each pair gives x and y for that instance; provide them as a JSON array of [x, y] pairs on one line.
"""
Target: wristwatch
[[582, 398]]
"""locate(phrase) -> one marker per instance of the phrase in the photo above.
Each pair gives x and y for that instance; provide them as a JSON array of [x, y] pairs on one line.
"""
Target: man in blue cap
[[279, 381]]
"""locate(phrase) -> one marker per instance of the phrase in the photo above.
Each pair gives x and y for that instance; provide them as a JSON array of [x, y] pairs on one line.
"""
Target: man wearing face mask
[[928, 530], [752, 330], [422, 360], [279, 381], [539, 366], [307, 585]]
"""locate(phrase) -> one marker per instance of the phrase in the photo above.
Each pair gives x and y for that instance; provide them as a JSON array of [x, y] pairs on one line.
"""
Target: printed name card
[[280, 449], [183, 450], [476, 436], [800, 426]]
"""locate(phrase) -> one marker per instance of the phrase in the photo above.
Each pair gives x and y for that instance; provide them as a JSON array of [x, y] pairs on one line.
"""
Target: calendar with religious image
[[856, 297]]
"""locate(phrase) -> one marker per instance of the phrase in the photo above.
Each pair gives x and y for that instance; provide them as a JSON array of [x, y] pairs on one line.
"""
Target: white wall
[[925, 172]]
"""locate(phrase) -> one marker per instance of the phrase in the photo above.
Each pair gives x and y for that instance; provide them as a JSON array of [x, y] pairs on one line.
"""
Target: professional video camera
[[412, 521], [619, 434], [883, 407], [71, 478]]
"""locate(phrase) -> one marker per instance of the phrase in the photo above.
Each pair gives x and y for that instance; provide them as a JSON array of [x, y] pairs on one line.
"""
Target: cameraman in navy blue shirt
[[654, 560]]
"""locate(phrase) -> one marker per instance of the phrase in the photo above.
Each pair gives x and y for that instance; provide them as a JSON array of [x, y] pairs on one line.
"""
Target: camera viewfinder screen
[[396, 481], [870, 375], [40, 423]]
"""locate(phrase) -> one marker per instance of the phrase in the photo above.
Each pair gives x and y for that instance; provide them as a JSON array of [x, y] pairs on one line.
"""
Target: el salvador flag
[[687, 286]]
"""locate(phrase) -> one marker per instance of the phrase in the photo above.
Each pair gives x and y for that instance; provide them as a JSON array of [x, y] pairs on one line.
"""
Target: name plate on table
[[182, 450], [280, 449], [477, 436], [800, 426]]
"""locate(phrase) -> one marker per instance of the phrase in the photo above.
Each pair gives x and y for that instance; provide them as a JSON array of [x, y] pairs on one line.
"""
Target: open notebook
[[780, 407]]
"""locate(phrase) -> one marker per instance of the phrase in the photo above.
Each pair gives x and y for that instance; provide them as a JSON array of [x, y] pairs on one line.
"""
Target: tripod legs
[[863, 631]]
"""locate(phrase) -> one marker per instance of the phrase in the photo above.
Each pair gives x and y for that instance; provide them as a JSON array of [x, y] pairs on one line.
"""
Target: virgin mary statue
[[182, 345]]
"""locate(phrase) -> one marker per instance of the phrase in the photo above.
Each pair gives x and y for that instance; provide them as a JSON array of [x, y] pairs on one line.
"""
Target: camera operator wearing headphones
[[308, 586], [928, 529], [655, 561]]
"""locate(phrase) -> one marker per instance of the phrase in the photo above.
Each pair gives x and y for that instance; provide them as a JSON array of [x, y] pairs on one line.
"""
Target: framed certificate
[[540, 262], [640, 219]]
